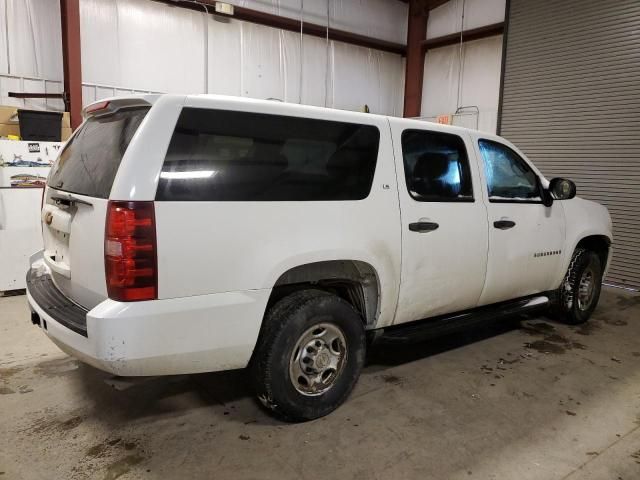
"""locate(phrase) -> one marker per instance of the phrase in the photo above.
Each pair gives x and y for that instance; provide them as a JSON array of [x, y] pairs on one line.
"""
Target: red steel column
[[414, 72], [71, 60]]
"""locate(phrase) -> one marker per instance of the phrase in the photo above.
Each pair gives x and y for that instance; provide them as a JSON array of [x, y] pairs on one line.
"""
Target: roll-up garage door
[[571, 102]]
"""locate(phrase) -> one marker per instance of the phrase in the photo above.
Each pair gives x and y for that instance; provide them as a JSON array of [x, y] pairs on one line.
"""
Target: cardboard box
[[10, 127]]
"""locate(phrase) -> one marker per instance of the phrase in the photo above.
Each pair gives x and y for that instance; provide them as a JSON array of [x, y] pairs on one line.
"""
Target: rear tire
[[309, 355], [579, 292]]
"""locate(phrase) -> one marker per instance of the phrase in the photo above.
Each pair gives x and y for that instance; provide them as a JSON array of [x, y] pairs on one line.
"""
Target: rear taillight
[[131, 265]]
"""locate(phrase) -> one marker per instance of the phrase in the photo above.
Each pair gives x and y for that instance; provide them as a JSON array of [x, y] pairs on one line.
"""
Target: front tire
[[309, 355], [580, 289]]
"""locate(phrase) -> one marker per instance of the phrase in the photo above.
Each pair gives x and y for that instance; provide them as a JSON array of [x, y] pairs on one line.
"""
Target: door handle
[[504, 224], [422, 227]]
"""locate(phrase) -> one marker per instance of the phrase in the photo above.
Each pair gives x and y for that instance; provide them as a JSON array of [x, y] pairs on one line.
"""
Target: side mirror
[[562, 189]]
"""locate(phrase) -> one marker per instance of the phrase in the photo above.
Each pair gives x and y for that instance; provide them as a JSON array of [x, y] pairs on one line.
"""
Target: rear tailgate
[[76, 199]]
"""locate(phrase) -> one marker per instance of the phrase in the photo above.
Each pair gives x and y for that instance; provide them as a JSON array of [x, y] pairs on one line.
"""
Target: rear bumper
[[203, 333]]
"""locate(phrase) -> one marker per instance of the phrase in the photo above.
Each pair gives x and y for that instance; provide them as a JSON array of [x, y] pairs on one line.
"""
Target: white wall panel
[[34, 38], [262, 75], [447, 18], [141, 45], [242, 59], [480, 80], [225, 56], [100, 41], [364, 76], [382, 19], [10, 83], [144, 44], [317, 72], [4, 61], [313, 76]]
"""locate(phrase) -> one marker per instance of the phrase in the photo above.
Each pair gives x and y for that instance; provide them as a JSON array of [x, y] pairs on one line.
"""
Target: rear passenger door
[[444, 221]]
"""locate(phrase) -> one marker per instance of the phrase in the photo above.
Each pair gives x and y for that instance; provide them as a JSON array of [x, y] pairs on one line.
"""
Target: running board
[[442, 325]]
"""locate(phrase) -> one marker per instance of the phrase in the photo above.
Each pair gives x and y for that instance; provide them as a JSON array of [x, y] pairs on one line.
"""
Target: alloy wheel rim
[[586, 289], [318, 359]]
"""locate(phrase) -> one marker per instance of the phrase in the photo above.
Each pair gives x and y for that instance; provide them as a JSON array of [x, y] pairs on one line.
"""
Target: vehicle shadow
[[230, 392], [381, 356]]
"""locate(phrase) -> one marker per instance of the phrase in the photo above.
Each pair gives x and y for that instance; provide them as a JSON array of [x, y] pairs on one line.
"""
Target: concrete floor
[[544, 401]]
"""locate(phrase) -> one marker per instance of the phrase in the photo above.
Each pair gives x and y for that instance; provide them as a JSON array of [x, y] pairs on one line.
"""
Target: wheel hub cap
[[586, 288], [318, 358]]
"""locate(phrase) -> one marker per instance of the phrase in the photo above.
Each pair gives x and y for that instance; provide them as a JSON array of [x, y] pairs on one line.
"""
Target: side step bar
[[437, 326]]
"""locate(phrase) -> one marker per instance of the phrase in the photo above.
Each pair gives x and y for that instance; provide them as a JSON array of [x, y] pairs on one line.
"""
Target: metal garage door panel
[[571, 102]]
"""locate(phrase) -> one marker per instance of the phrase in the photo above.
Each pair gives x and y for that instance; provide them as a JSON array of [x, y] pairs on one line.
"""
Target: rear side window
[[217, 155], [90, 160], [436, 167]]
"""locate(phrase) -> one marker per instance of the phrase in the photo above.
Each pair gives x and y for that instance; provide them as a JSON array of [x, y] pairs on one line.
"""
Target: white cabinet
[[24, 167]]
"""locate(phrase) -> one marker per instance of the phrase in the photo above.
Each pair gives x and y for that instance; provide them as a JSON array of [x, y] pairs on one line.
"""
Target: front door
[[444, 222], [525, 236]]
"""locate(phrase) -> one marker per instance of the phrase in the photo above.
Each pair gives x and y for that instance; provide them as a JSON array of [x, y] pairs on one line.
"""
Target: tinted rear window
[[89, 162], [218, 155]]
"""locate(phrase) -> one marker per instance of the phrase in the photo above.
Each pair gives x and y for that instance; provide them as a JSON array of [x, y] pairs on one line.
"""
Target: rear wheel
[[309, 355], [580, 290]]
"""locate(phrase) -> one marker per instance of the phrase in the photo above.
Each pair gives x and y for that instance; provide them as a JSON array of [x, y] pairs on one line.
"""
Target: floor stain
[[635, 354], [56, 368], [122, 466], [538, 328], [25, 389], [6, 373], [6, 391], [392, 379], [628, 302], [97, 451], [615, 322], [49, 426], [552, 342], [587, 328], [72, 423], [107, 447], [543, 346]]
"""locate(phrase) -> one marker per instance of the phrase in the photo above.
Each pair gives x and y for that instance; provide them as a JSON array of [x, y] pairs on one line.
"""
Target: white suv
[[189, 234]]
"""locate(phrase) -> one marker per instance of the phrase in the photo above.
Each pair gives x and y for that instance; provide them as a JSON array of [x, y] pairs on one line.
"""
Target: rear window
[[218, 155], [90, 160]]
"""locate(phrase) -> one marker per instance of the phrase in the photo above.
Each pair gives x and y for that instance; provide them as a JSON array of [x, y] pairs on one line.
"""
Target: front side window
[[436, 167], [218, 155], [509, 178]]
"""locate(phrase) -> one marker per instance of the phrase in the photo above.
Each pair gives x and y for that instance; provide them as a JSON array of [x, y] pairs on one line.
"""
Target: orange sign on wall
[[444, 119]]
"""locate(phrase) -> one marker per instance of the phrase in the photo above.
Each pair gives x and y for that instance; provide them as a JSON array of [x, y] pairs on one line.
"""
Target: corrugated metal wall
[[571, 102]]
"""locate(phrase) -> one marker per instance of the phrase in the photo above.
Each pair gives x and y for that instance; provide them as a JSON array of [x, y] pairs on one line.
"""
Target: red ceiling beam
[[414, 69], [293, 25], [71, 60], [467, 36]]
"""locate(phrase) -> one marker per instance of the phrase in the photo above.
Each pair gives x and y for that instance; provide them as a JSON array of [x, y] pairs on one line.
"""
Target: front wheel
[[580, 290], [309, 355]]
